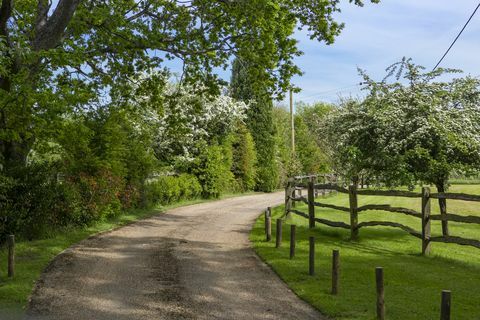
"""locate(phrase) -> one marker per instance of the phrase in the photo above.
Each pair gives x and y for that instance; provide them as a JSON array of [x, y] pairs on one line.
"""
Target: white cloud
[[377, 35]]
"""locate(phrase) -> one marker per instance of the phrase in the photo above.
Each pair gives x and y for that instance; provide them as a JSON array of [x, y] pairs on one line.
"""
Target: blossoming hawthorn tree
[[418, 128], [64, 54], [190, 117]]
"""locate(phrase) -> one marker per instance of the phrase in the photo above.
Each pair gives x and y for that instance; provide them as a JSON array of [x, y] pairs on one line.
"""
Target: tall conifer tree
[[259, 122]]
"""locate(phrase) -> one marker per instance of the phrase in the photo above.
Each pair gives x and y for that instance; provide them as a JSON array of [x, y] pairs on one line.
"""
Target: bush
[[212, 169], [37, 202], [170, 189]]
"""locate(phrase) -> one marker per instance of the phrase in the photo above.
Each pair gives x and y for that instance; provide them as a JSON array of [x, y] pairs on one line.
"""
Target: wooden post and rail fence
[[293, 195], [335, 276]]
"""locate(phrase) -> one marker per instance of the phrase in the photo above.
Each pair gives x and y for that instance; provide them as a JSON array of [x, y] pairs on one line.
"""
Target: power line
[[322, 93], [458, 36]]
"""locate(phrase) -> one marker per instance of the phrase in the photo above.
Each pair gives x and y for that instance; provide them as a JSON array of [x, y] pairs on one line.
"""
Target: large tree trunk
[[443, 208]]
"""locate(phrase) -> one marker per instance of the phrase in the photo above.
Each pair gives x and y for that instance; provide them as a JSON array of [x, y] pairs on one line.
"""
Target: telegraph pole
[[292, 122]]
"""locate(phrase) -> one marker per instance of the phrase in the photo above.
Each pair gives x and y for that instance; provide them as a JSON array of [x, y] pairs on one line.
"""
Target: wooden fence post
[[288, 197], [269, 228], [446, 299], [11, 255], [311, 206], [380, 294], [335, 270], [426, 220], [278, 235], [311, 257], [293, 229], [352, 192]]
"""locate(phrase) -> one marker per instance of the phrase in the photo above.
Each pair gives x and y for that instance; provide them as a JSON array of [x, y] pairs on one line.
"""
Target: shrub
[[170, 189], [212, 169], [37, 202]]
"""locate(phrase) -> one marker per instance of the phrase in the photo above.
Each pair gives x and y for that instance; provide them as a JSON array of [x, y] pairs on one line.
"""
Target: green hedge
[[169, 189]]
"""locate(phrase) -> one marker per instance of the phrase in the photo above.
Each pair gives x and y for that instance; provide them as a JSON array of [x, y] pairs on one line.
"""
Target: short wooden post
[[314, 181], [311, 206], [278, 238], [426, 206], [269, 229], [352, 192], [335, 270], [11, 255], [380, 294], [446, 299], [293, 230], [288, 196], [311, 257]]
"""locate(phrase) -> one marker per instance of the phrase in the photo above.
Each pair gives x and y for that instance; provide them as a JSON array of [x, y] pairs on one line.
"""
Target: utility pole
[[292, 122]]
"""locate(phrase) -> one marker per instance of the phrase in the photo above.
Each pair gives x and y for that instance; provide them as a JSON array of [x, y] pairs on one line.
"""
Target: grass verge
[[413, 283], [33, 256]]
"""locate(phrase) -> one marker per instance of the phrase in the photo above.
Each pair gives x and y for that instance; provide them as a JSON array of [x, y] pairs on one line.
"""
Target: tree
[[310, 147], [61, 55], [244, 158], [259, 122], [417, 128]]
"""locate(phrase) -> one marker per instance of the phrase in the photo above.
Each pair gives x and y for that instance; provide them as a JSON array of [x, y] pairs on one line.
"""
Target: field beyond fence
[[293, 194], [414, 284]]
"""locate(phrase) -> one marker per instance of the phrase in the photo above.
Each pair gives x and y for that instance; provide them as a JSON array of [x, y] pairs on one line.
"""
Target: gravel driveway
[[193, 262]]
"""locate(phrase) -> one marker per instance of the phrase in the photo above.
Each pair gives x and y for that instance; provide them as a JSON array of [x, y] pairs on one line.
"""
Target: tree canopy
[[417, 128]]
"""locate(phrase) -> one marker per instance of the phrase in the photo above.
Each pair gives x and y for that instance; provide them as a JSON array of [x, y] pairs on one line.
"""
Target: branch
[[49, 35]]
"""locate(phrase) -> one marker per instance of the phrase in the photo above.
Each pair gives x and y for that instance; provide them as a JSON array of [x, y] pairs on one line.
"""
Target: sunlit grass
[[413, 283]]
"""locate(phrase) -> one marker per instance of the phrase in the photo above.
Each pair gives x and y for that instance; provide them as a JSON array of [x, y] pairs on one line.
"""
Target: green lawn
[[33, 256], [413, 283]]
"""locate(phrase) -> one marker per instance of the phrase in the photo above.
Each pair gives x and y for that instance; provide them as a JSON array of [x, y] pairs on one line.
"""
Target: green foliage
[[36, 203], [244, 158], [259, 122], [212, 169], [165, 190], [310, 151], [309, 154], [421, 129], [61, 55]]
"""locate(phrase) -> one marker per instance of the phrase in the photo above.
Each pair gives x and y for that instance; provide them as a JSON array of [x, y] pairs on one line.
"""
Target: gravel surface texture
[[193, 262]]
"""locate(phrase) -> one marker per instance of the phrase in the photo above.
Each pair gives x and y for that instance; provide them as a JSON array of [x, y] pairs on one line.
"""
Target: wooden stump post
[[11, 255], [278, 235], [269, 229], [335, 271], [311, 257], [311, 207], [446, 299], [426, 206], [380, 294], [352, 192], [289, 193], [293, 230]]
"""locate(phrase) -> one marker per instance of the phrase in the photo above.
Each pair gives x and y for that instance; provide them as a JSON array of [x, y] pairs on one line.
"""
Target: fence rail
[[330, 184]]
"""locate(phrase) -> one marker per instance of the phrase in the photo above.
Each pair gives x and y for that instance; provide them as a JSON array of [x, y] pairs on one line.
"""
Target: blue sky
[[378, 35]]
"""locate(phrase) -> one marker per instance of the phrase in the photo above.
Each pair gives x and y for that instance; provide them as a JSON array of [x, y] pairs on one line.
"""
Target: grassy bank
[[33, 256], [412, 282]]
